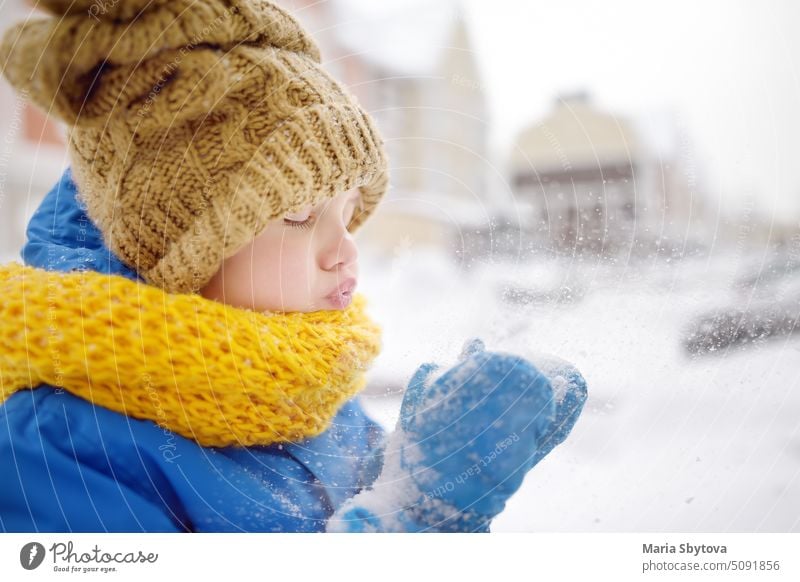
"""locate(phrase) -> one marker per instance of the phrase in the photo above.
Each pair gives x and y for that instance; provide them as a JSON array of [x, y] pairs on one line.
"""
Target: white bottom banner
[[540, 556]]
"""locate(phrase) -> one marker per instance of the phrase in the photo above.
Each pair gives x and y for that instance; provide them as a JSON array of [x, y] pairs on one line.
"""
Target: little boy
[[186, 321]]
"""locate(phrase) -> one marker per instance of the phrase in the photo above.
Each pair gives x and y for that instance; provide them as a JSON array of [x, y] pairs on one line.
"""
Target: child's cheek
[[287, 272], [296, 270]]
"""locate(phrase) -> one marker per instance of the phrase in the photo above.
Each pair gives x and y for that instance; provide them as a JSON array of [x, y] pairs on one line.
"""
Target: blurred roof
[[575, 135]]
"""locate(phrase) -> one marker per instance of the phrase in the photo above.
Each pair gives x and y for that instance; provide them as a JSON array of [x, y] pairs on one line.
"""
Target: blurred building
[[588, 181], [417, 75], [575, 172], [32, 149]]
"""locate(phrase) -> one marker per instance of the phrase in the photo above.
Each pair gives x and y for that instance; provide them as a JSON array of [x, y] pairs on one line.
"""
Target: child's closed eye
[[301, 219], [299, 223]]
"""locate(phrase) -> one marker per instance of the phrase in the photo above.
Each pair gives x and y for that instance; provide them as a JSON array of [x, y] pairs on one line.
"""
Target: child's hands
[[464, 442]]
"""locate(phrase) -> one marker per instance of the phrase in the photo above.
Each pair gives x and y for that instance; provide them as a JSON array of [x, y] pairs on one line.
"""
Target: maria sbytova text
[[683, 549]]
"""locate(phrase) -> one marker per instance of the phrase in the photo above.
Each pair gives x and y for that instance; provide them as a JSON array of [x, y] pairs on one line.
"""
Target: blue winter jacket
[[69, 465]]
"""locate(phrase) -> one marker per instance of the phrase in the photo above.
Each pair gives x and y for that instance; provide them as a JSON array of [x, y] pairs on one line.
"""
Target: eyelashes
[[309, 221], [303, 224]]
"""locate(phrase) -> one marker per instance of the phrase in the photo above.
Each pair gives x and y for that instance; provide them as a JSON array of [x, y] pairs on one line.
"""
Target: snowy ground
[[666, 442]]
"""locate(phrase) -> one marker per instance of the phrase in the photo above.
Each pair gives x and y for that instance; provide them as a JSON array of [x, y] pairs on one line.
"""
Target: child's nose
[[339, 251]]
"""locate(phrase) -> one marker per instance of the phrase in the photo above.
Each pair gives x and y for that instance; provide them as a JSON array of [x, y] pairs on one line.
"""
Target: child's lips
[[341, 297]]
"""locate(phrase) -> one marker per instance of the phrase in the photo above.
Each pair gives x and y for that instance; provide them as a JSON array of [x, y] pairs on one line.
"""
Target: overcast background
[[728, 71]]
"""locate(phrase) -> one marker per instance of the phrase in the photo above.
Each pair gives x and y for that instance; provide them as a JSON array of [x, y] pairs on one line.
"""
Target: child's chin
[[338, 302]]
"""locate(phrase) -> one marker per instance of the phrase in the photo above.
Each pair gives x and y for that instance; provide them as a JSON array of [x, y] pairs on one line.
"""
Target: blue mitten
[[464, 442]]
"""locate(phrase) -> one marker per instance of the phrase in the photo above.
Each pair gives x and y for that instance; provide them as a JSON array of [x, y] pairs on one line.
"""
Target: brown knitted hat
[[192, 123]]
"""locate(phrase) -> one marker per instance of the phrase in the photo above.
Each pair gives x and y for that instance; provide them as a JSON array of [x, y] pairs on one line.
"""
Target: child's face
[[305, 261]]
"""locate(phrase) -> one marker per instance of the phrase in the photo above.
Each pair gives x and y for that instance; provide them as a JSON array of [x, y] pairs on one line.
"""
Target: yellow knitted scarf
[[213, 373]]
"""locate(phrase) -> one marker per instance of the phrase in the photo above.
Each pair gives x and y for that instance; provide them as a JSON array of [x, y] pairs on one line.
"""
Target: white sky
[[729, 71]]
